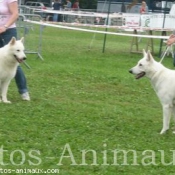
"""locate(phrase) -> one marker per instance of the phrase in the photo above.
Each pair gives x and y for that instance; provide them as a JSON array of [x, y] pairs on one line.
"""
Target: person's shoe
[[25, 96]]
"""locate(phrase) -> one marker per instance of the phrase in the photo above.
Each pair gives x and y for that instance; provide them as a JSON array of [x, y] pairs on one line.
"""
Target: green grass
[[87, 100]]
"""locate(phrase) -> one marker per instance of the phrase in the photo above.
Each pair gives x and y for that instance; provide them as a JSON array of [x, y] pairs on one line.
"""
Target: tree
[[87, 4]]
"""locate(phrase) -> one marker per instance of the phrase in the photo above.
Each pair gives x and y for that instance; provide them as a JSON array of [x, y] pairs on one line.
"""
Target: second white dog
[[163, 82], [10, 56]]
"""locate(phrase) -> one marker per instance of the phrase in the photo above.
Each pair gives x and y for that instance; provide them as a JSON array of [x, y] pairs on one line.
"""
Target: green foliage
[[90, 4]]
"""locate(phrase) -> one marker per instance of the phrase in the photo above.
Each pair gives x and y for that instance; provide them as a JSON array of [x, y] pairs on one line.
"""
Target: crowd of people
[[67, 4], [58, 4]]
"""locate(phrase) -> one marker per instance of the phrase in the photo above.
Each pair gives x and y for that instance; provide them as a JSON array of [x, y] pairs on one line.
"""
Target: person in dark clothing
[[56, 6]]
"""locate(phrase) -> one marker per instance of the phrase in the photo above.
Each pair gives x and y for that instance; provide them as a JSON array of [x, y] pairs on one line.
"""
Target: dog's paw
[[6, 101], [163, 131]]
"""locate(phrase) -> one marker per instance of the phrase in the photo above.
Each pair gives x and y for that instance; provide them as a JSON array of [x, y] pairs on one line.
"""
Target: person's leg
[[1, 42], [55, 17], [7, 36], [21, 83], [21, 80], [19, 77]]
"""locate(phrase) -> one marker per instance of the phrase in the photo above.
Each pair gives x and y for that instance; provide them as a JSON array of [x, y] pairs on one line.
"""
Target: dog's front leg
[[4, 89], [167, 111]]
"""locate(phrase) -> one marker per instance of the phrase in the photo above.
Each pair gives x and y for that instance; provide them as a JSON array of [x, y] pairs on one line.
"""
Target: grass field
[[87, 115]]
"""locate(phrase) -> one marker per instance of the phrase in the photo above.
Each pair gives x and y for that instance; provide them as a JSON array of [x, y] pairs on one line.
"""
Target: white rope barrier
[[80, 13], [96, 31]]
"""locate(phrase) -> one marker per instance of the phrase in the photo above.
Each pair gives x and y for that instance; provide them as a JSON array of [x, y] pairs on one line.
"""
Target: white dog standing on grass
[[163, 82], [10, 56]]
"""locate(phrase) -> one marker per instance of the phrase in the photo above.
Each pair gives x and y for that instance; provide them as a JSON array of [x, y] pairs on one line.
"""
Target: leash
[[168, 48]]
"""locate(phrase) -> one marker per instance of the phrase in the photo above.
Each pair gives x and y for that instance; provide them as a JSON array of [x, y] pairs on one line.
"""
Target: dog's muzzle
[[20, 60], [138, 76]]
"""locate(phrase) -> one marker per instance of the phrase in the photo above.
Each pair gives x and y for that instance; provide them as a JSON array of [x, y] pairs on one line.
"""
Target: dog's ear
[[149, 56], [22, 39], [144, 53], [12, 41]]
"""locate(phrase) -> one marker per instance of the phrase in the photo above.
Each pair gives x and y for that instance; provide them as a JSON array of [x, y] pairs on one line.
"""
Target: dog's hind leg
[[0, 92], [167, 112], [4, 89], [173, 114]]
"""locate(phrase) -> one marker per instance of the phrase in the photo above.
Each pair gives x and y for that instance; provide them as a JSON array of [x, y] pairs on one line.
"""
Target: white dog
[[163, 82], [10, 56]]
